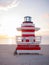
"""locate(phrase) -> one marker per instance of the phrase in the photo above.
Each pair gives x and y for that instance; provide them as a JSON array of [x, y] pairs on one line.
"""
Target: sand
[[7, 57]]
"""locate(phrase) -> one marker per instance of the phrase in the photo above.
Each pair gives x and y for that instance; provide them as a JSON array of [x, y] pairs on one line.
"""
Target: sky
[[12, 13]]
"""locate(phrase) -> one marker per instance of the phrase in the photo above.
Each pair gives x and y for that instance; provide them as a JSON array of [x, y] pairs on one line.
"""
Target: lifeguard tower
[[28, 43]]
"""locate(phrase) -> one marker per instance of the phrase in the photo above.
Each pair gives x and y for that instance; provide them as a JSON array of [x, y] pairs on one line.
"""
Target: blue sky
[[13, 11]]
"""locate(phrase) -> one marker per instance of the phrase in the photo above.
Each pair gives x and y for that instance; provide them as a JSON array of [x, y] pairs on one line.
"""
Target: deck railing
[[37, 39]]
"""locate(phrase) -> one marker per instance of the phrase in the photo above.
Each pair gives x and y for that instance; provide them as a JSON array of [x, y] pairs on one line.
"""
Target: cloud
[[43, 21], [46, 15], [6, 4], [42, 33]]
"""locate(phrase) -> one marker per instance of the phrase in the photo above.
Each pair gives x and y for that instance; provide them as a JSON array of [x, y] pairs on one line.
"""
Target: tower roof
[[27, 18]]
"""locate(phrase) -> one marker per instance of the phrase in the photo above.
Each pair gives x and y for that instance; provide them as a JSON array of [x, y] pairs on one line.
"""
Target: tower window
[[27, 18]]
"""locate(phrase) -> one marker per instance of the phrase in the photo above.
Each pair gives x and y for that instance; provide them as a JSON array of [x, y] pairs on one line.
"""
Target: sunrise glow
[[12, 13]]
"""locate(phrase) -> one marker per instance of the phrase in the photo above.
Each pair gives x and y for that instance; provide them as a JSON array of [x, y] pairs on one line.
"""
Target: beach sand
[[7, 57]]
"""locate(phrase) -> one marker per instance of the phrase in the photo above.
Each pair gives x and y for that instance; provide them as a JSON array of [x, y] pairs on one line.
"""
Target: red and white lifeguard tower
[[28, 42]]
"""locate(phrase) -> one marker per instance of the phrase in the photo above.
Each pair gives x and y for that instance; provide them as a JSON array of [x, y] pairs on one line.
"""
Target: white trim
[[28, 33], [29, 37], [36, 29], [19, 37], [27, 24], [25, 42], [27, 27], [25, 37], [28, 51], [30, 28], [28, 43]]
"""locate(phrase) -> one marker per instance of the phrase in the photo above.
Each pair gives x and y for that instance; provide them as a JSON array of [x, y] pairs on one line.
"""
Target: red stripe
[[28, 47], [28, 30], [27, 40], [27, 26], [27, 22], [24, 35]]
